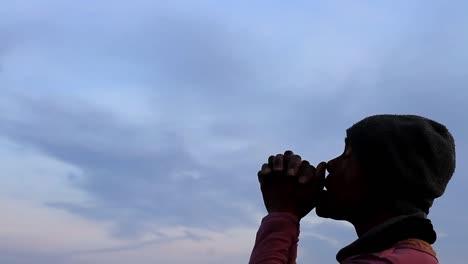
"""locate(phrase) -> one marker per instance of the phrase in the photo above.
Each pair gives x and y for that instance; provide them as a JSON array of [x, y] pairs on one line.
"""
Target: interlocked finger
[[271, 159], [264, 172], [305, 172], [293, 165], [288, 154], [278, 163]]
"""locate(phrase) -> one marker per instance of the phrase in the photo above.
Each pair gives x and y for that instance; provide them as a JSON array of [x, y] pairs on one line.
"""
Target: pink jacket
[[278, 235]]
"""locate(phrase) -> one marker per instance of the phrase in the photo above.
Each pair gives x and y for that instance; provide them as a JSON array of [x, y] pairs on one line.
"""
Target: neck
[[363, 224]]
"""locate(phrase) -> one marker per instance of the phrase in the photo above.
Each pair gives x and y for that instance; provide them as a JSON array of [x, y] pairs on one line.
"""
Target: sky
[[132, 131]]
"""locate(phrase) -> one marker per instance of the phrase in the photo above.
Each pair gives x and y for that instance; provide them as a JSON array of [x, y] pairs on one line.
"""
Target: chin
[[329, 209], [332, 213], [321, 211], [324, 211]]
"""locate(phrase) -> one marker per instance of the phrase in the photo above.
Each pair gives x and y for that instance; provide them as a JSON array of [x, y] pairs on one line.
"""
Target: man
[[392, 169]]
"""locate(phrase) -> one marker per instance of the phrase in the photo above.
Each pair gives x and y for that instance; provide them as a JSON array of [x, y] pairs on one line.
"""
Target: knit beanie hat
[[408, 159]]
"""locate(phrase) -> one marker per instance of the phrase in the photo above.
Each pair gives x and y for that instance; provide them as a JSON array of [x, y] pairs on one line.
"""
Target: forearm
[[276, 241]]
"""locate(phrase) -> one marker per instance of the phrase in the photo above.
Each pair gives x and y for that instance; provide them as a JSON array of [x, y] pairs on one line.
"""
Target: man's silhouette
[[392, 169]]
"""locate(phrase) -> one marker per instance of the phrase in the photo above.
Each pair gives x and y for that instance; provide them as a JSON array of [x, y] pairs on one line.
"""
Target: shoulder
[[404, 252]]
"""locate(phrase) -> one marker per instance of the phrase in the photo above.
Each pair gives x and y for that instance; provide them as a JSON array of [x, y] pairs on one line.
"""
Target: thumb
[[320, 174]]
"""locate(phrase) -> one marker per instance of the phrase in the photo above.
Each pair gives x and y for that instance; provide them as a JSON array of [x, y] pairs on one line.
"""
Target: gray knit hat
[[409, 159]]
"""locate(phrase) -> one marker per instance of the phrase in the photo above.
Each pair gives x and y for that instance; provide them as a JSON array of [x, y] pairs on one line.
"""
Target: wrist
[[285, 215]]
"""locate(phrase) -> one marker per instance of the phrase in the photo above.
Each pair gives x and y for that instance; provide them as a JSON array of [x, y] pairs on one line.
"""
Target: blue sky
[[132, 131]]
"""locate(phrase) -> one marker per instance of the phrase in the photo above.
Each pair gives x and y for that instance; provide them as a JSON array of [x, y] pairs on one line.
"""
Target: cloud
[[127, 178], [29, 175], [161, 113], [69, 232], [78, 240]]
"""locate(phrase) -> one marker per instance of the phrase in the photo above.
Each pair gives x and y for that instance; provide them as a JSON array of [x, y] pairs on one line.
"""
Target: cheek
[[353, 188], [356, 191]]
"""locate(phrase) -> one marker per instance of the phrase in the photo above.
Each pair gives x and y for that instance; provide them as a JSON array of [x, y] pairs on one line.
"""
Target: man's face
[[346, 188]]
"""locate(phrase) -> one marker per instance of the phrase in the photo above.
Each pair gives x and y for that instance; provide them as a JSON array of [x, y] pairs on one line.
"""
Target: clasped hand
[[290, 184]]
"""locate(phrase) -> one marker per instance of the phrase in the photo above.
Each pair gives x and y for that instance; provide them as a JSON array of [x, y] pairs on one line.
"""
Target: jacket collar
[[390, 232]]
